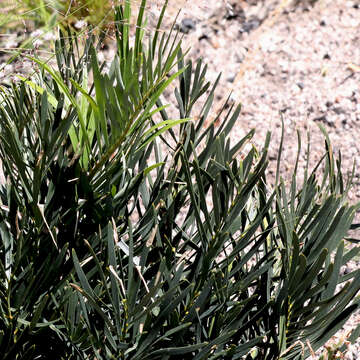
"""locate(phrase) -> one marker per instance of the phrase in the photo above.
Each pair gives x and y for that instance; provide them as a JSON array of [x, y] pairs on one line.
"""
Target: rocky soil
[[302, 62]]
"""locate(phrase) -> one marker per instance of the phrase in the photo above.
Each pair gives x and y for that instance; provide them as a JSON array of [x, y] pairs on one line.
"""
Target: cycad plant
[[126, 234]]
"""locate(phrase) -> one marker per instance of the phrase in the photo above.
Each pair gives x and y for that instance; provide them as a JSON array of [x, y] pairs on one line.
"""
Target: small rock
[[231, 77], [324, 119], [284, 109], [326, 57], [322, 23], [328, 104], [250, 25], [330, 121], [203, 37], [234, 10], [239, 57], [300, 85], [349, 4], [323, 108], [339, 110], [187, 25], [343, 118]]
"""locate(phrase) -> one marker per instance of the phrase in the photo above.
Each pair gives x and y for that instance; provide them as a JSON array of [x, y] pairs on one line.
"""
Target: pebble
[[250, 25], [343, 119], [350, 4], [321, 118], [234, 11], [231, 77], [187, 25], [339, 110], [329, 104]]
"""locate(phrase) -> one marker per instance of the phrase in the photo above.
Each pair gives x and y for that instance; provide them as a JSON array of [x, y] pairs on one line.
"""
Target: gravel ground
[[300, 60]]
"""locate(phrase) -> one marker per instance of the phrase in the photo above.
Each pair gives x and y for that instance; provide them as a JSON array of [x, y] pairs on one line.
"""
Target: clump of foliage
[[126, 234], [51, 13]]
